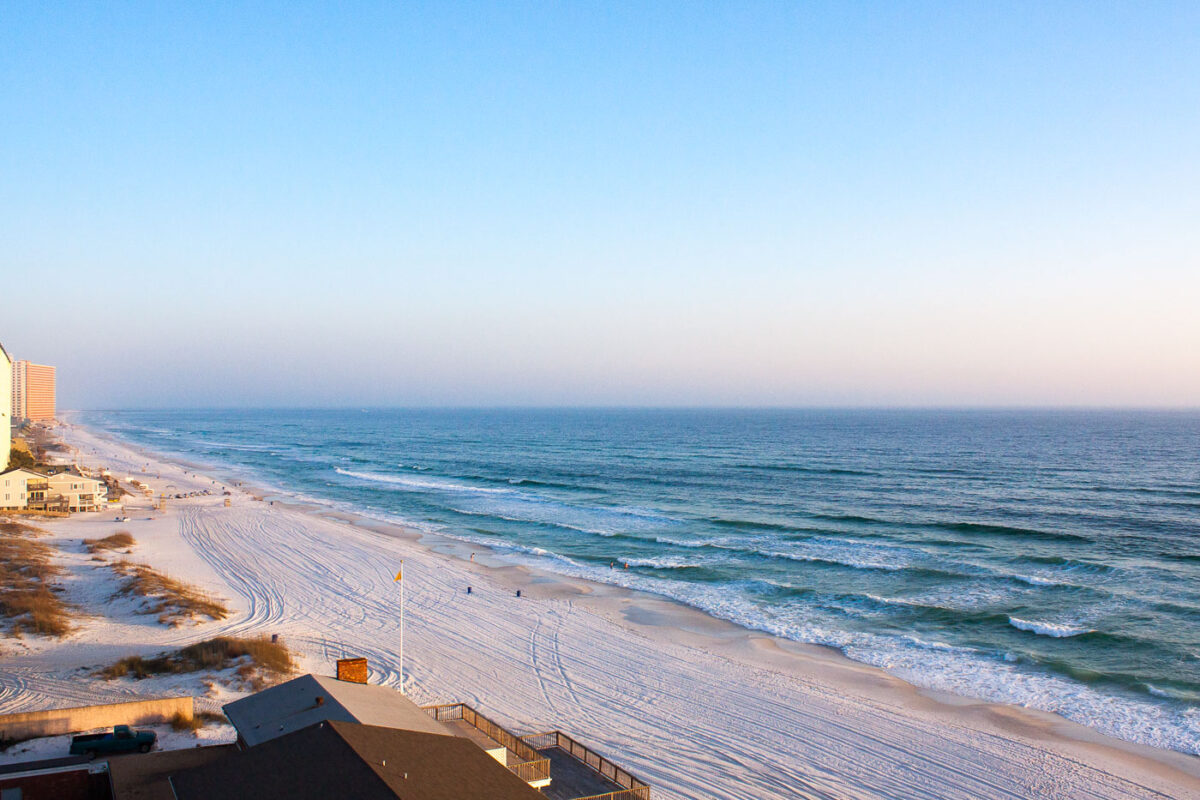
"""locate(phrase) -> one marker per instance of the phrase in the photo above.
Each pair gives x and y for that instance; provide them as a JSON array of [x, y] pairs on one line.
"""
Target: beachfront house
[[300, 702], [314, 738], [381, 715], [65, 491], [347, 759], [23, 488], [77, 492]]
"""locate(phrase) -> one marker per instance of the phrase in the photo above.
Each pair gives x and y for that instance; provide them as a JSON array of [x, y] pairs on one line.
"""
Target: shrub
[[121, 540], [181, 722], [257, 660]]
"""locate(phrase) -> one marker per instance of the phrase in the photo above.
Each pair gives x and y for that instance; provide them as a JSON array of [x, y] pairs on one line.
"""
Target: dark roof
[[49, 763], [144, 777], [346, 759]]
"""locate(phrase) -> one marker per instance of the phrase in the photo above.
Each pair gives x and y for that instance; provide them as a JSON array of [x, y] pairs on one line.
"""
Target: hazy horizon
[[813, 408], [665, 205]]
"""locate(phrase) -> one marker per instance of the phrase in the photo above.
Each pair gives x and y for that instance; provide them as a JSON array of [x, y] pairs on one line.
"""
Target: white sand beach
[[697, 707]]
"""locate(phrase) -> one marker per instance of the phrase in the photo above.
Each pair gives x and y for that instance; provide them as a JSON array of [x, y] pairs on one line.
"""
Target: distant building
[[33, 392], [6, 411]]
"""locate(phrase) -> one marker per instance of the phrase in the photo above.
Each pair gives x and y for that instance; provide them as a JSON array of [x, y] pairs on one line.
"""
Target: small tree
[[20, 458]]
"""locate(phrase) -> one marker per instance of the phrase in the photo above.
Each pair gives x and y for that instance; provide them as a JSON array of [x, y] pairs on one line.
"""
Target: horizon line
[[649, 407]]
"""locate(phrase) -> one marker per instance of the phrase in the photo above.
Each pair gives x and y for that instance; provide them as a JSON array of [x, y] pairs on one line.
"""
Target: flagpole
[[400, 574]]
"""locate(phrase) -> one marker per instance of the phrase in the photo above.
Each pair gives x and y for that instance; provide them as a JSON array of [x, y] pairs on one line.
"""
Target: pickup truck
[[123, 739]]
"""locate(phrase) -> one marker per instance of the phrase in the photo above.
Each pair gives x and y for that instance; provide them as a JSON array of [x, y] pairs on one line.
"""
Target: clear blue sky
[[603, 203]]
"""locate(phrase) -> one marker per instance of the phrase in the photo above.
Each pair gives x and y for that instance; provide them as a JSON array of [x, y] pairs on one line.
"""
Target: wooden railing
[[633, 788], [531, 765], [531, 771], [641, 793]]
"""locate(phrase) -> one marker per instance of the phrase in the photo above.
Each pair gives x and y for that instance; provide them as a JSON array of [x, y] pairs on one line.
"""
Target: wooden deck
[[570, 778]]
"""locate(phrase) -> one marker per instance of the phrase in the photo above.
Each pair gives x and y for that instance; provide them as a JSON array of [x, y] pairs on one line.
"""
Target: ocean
[[1047, 559]]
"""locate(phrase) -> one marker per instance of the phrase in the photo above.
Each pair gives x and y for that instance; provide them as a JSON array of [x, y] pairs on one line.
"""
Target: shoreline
[[816, 669]]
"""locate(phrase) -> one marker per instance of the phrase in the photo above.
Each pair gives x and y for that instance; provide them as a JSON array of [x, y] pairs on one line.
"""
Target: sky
[[577, 203]]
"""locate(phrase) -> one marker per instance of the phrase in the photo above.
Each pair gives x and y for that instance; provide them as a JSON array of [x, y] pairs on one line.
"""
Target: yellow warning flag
[[399, 574]]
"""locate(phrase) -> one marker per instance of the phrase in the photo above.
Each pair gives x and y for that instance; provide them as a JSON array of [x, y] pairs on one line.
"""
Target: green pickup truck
[[123, 739]]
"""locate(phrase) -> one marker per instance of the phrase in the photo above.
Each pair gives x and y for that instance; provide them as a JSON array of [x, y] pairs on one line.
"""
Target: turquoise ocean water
[[1049, 559]]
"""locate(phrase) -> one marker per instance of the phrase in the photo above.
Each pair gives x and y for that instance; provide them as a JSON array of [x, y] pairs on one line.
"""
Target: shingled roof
[[346, 759], [302, 701]]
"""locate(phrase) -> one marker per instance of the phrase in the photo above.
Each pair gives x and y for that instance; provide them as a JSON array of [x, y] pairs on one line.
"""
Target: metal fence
[[531, 765], [633, 788]]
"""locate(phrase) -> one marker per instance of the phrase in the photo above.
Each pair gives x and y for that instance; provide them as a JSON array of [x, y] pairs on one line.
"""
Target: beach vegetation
[[9, 527], [7, 743], [173, 600], [121, 540], [181, 722], [29, 596], [21, 458], [257, 662]]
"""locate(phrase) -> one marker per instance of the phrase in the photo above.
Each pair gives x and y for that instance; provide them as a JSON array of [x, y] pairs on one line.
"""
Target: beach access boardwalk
[[578, 772]]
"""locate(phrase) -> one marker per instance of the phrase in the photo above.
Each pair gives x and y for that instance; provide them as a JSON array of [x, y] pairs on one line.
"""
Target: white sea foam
[[846, 552], [420, 484], [491, 513], [518, 506], [664, 562], [1056, 629], [213, 444], [832, 557], [1036, 580]]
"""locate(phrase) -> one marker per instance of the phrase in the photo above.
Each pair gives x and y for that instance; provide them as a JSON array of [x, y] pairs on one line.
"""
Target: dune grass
[[121, 540], [172, 600], [259, 661], [181, 723], [29, 600], [9, 527]]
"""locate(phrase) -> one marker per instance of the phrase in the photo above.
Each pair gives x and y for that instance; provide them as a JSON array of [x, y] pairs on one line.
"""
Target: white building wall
[[14, 487], [6, 420]]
